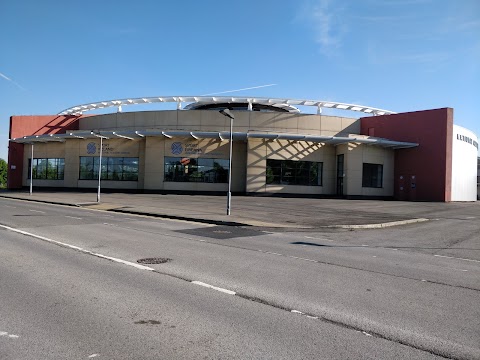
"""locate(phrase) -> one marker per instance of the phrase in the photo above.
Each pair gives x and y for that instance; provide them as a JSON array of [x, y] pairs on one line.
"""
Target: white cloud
[[324, 20], [5, 77], [13, 82], [399, 2], [433, 61]]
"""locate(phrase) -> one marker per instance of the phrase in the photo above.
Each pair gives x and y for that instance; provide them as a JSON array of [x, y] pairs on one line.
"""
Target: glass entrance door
[[340, 177]]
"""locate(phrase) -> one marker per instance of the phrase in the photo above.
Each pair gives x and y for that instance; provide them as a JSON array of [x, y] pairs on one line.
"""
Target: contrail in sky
[[230, 91], [13, 82]]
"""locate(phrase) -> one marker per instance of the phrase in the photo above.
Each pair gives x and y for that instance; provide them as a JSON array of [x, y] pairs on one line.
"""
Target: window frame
[[372, 175], [113, 168], [47, 168], [199, 170], [294, 172]]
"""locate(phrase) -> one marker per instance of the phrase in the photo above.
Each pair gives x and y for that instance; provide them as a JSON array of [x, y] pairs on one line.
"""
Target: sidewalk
[[258, 211]]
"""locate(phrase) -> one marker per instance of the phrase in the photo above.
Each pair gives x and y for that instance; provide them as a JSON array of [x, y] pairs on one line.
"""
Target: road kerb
[[378, 226]]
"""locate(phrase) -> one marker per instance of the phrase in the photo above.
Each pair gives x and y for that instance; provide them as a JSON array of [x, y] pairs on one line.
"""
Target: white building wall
[[464, 164]]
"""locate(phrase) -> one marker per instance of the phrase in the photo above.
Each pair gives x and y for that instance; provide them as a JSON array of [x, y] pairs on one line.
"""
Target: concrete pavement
[[259, 211]]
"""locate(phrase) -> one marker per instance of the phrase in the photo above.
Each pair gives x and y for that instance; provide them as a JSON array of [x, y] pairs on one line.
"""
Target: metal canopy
[[222, 135], [282, 103]]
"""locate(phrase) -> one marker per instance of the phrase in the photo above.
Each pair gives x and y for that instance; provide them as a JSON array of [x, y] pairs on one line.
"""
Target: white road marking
[[374, 256], [300, 258], [43, 212], [302, 313], [93, 355], [73, 217], [314, 238], [138, 266], [6, 334], [229, 292], [289, 256], [451, 257], [13, 207], [272, 253]]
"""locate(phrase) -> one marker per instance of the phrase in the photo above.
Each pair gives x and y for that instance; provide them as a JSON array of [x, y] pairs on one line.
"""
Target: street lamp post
[[227, 113], [97, 134], [31, 171], [100, 169]]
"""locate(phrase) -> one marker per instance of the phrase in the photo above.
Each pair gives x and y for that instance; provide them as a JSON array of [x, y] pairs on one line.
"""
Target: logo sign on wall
[[177, 148], [467, 140], [91, 148]]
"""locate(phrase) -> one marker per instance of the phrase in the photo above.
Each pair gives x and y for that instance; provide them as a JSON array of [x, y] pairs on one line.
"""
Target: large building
[[414, 156]]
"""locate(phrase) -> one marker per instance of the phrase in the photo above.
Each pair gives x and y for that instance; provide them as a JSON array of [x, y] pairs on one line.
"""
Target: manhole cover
[[156, 260]]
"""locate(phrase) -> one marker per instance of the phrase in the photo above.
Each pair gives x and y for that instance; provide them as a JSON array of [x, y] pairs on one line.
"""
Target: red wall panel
[[32, 125], [423, 173]]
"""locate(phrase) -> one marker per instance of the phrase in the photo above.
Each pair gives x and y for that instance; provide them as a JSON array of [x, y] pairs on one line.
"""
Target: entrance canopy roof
[[280, 103], [223, 135]]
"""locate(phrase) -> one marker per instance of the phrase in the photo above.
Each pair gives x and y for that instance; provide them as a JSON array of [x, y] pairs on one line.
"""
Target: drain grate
[[156, 260]]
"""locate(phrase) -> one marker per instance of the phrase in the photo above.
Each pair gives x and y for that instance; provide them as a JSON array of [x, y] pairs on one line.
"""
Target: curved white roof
[[287, 104]]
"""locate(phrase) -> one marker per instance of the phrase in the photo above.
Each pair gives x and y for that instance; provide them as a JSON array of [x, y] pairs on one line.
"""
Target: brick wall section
[[32, 125], [430, 163]]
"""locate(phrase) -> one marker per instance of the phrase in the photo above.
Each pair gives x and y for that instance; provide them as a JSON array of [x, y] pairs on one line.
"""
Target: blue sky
[[400, 55]]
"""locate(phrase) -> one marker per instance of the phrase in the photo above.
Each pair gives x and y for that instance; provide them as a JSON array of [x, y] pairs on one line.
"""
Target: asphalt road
[[70, 288]]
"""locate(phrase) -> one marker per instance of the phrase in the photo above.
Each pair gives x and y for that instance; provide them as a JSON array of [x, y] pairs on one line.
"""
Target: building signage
[[188, 148], [195, 149], [91, 148], [107, 149], [177, 148], [192, 148], [467, 140]]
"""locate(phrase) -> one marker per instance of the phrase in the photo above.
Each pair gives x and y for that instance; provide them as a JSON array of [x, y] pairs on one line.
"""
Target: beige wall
[[209, 120], [111, 148], [355, 156], [72, 149], [158, 148], [249, 157], [259, 150], [42, 150]]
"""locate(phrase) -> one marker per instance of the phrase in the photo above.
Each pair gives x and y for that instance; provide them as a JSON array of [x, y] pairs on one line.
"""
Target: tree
[[3, 173]]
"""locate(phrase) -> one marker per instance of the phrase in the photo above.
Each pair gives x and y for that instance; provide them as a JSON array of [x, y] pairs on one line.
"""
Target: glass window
[[47, 169], [372, 175], [208, 170], [290, 172], [113, 168], [86, 168], [130, 169]]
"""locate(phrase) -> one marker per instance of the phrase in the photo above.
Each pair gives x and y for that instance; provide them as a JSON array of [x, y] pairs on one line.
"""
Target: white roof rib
[[223, 135], [286, 104]]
